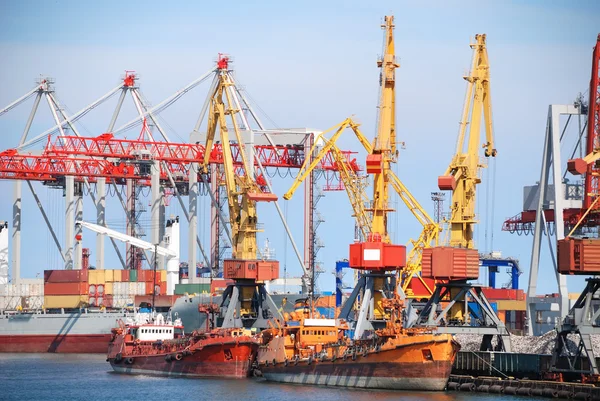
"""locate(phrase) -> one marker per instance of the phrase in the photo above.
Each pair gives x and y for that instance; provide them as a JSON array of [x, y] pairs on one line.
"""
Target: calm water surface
[[89, 377]]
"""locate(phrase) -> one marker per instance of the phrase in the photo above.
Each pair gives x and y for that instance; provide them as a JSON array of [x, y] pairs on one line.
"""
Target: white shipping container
[[141, 288], [132, 288], [3, 290], [36, 290]]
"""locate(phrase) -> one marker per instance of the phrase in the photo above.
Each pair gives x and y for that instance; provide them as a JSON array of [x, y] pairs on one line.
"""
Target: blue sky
[[307, 64]]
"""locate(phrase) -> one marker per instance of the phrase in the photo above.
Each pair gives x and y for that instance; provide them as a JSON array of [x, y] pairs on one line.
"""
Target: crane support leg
[[551, 167], [101, 221], [193, 219], [69, 221], [16, 233]]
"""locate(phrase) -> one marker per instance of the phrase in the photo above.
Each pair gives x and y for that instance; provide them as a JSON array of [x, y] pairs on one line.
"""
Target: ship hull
[[421, 362], [73, 343], [214, 357], [194, 369], [376, 375]]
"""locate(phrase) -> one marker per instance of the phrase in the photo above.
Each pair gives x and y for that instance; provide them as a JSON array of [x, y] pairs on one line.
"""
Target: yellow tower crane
[[458, 261], [462, 175], [376, 256], [246, 302]]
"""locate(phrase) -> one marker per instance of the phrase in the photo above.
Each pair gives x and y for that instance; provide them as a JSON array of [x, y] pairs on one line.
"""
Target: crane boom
[[359, 198], [462, 174], [356, 194], [138, 243]]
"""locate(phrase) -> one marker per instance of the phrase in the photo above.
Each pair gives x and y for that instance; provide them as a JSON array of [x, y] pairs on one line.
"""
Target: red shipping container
[[149, 287], [446, 263], [65, 276], [579, 256], [125, 276], [163, 288], [107, 301], [65, 288], [219, 285], [500, 293]]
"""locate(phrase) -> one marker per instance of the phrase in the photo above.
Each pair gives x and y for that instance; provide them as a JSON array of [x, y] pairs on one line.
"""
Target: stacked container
[[65, 288], [100, 288]]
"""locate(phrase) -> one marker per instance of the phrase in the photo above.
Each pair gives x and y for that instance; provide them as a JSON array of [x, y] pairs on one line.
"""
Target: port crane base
[[486, 322], [366, 291], [263, 308], [583, 320]]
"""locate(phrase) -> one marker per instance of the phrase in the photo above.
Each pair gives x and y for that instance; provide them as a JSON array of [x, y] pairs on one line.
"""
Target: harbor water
[[89, 377]]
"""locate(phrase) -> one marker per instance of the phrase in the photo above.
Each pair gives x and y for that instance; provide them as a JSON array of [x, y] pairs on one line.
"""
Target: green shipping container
[[181, 289], [133, 276]]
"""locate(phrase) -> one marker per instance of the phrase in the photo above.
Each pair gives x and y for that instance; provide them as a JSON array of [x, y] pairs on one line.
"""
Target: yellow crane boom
[[359, 198], [462, 174]]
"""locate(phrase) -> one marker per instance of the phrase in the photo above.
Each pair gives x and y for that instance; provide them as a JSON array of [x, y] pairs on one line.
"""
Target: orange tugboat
[[317, 351], [157, 347]]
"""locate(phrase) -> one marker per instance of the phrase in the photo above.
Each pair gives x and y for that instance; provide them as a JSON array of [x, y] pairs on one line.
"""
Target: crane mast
[[384, 144], [246, 302], [462, 175], [242, 190]]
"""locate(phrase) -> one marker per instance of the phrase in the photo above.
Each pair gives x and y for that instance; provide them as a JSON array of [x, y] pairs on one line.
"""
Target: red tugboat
[[151, 345]]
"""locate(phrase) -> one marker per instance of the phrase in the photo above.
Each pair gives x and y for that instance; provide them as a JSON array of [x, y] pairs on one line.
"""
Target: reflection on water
[[89, 377]]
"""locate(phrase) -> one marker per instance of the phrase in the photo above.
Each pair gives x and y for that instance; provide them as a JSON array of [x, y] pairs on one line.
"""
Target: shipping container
[[163, 288], [65, 276], [579, 256], [446, 263], [97, 276], [500, 293], [125, 275], [65, 289], [133, 276], [219, 285], [181, 289], [100, 289], [107, 301], [117, 275], [108, 288], [511, 305], [122, 301], [65, 301], [163, 276], [109, 275]]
